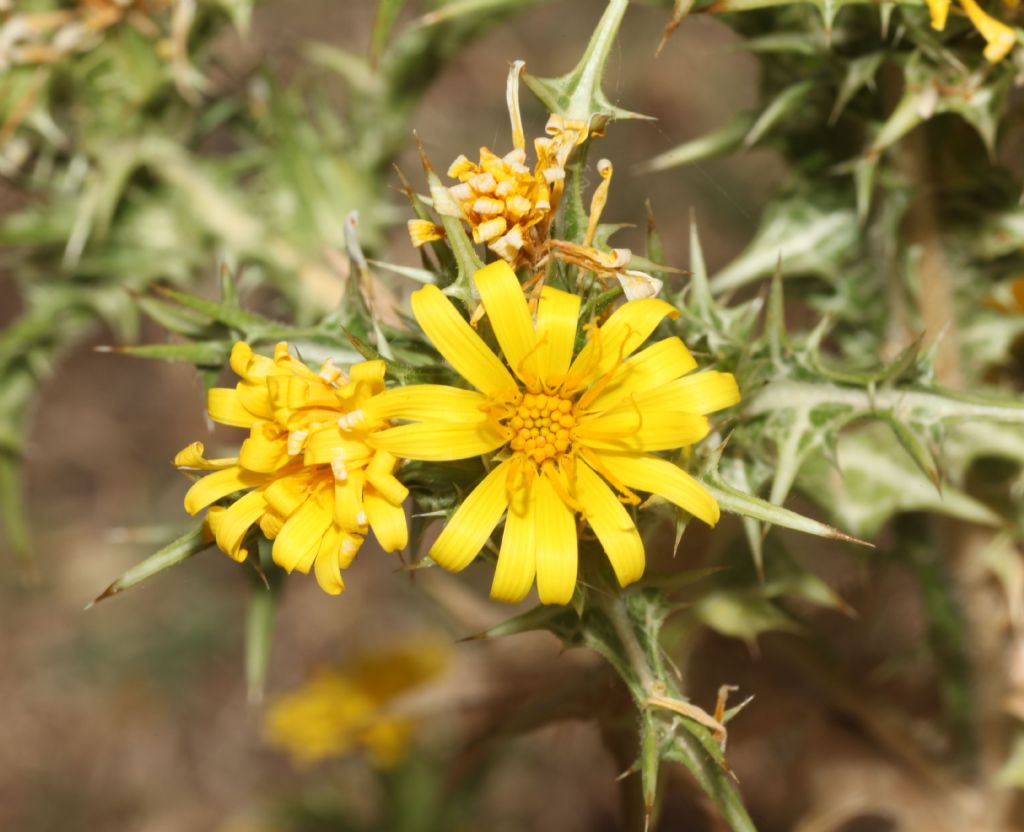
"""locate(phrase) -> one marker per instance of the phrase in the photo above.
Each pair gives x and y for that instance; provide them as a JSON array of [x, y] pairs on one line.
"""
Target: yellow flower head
[[340, 710], [314, 484], [568, 435]]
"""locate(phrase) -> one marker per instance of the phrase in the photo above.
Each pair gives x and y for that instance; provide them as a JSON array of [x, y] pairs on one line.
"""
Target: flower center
[[542, 426]]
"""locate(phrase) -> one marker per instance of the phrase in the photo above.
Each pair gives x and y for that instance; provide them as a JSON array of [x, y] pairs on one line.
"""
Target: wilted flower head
[[567, 436], [313, 484], [340, 710]]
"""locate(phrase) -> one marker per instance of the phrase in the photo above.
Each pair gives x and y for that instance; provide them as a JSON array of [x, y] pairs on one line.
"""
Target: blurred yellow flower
[[312, 482], [564, 432], [340, 710], [999, 37]]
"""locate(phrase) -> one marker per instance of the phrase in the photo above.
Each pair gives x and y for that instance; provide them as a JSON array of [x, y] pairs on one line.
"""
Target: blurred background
[[135, 714]]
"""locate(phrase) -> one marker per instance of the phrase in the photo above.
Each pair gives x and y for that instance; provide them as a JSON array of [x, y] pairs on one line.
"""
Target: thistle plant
[[557, 406]]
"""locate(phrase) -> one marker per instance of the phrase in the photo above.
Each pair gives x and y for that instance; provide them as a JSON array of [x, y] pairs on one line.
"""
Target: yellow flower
[[313, 483], [340, 710], [999, 37], [566, 433]]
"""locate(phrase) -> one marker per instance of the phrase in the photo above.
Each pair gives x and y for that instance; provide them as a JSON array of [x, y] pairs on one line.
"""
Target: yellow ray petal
[[328, 572], [379, 474], [661, 477], [556, 543], [661, 362], [387, 521], [701, 393], [255, 398], [502, 297], [192, 458], [225, 406], [1000, 37], [635, 430], [286, 494], [438, 441], [427, 403], [517, 560], [235, 521], [326, 445], [939, 10], [557, 317], [458, 343], [219, 484], [470, 527], [620, 336], [301, 534], [612, 525], [349, 514], [328, 543], [265, 450]]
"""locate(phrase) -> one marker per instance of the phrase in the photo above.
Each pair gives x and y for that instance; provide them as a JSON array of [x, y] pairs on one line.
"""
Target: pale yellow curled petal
[[379, 474], [659, 476], [192, 458], [473, 521], [219, 484], [328, 571], [512, 99], [517, 560], [939, 10], [458, 343], [621, 335], [236, 520], [630, 429], [612, 525], [422, 232], [1000, 37], [387, 521], [557, 317], [661, 362], [225, 406], [701, 393], [502, 297], [427, 403], [301, 534], [438, 441], [557, 559]]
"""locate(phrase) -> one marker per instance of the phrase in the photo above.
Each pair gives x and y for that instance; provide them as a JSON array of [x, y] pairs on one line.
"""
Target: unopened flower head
[[341, 710], [567, 435], [313, 483]]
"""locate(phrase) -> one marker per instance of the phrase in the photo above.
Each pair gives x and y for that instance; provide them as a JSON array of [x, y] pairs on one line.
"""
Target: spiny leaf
[[713, 779], [239, 319], [189, 544], [578, 95], [859, 71], [724, 140], [781, 106], [736, 502], [204, 353]]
